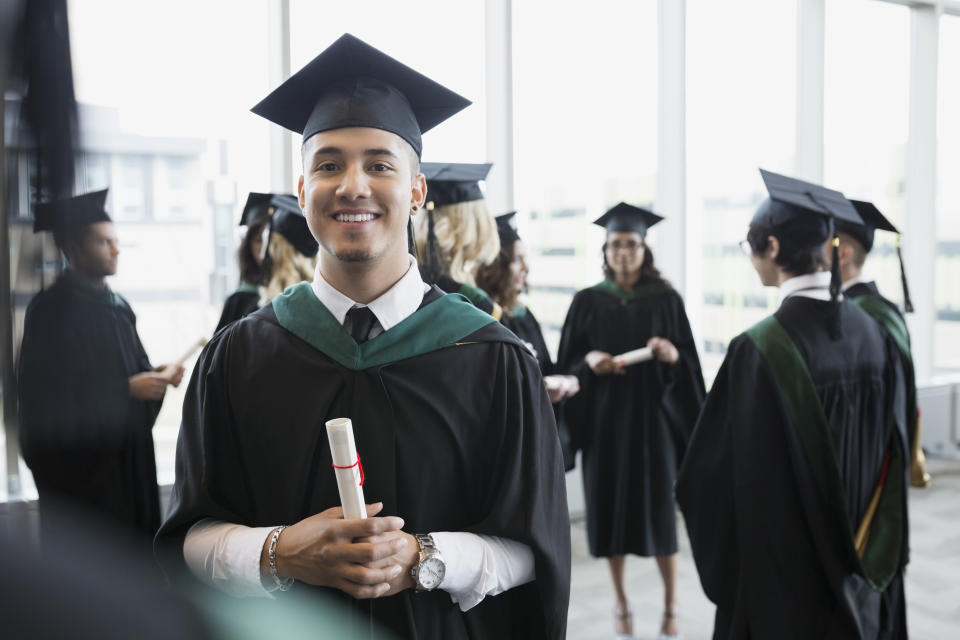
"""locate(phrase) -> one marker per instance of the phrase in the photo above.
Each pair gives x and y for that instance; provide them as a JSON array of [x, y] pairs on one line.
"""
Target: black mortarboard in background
[[805, 213], [863, 233], [285, 216], [351, 84], [507, 228], [452, 183], [626, 217], [257, 206], [69, 214]]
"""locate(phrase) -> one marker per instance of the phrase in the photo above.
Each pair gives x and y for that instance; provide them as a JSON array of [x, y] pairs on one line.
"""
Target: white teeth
[[355, 217]]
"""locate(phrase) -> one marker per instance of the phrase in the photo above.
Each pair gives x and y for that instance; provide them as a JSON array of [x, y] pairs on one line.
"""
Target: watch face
[[430, 573]]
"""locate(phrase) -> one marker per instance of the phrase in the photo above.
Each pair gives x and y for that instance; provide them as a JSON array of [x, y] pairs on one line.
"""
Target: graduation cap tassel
[[835, 278], [907, 303], [432, 260]]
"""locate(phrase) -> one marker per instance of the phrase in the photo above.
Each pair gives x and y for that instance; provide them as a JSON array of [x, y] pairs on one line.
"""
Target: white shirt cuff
[[479, 565], [227, 556]]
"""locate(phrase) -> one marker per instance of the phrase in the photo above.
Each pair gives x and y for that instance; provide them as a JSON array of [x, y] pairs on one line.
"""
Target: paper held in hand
[[170, 370], [634, 357], [346, 464]]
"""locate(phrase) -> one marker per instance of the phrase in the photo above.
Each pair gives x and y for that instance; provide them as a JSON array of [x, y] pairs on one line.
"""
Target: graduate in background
[[454, 430], [277, 251], [457, 235], [794, 486], [505, 279], [632, 423], [88, 393], [856, 241]]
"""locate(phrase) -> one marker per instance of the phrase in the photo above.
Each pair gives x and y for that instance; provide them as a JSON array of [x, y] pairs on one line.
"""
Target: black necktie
[[361, 322]]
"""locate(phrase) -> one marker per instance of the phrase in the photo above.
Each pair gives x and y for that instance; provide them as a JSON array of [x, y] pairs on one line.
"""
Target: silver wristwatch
[[428, 573]]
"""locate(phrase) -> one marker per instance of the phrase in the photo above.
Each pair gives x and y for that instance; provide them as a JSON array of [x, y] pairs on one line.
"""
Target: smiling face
[[518, 266], [357, 190]]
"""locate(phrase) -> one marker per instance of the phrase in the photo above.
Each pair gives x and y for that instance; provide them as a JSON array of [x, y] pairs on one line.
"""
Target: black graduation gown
[[244, 301], [524, 325], [632, 428], [451, 421], [84, 437], [773, 548]]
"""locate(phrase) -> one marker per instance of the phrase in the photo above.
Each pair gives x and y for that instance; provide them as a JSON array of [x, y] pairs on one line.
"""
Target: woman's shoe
[[668, 615], [622, 619]]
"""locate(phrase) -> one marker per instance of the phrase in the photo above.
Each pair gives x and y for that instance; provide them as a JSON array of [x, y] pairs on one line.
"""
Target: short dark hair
[[648, 271], [797, 259]]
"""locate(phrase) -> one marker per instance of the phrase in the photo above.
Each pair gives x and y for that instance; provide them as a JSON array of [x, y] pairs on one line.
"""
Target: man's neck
[[94, 280], [363, 282], [850, 273]]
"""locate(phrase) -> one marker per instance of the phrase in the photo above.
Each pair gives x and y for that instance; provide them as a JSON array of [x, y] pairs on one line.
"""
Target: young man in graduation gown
[[453, 427], [856, 242], [454, 198], [793, 487], [88, 393]]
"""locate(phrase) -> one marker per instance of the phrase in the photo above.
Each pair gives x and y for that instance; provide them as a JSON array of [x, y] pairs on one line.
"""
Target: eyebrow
[[337, 151]]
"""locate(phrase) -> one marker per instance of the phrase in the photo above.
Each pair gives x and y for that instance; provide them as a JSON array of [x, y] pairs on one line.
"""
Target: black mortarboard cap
[[71, 213], [626, 217], [258, 205], [288, 220], [872, 220], [351, 84], [452, 183], [507, 228], [793, 200]]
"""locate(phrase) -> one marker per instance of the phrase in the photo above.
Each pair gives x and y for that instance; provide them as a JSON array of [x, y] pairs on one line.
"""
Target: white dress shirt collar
[[390, 309], [811, 285]]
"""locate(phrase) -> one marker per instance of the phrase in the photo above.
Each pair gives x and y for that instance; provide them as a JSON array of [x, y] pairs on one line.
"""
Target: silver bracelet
[[283, 584]]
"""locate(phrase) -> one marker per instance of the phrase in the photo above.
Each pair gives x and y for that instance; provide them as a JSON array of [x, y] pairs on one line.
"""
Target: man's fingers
[[368, 527], [366, 552], [370, 577], [363, 592]]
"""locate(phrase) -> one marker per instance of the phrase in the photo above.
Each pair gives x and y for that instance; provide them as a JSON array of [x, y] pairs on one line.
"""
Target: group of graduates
[[791, 473]]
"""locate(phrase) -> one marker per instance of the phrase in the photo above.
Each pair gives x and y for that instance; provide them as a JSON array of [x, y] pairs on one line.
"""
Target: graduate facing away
[[453, 426], [793, 487]]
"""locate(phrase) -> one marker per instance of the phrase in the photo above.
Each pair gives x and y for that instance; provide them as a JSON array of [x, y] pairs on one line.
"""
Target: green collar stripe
[[473, 294], [518, 312], [247, 287], [642, 290], [792, 378], [88, 292], [435, 326], [888, 318]]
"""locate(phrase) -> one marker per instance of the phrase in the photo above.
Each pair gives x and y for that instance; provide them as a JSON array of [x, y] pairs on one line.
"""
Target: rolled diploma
[[171, 369], [343, 449], [635, 356]]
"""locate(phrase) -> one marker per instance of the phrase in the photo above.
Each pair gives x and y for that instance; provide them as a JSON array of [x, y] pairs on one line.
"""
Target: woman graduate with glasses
[[631, 420]]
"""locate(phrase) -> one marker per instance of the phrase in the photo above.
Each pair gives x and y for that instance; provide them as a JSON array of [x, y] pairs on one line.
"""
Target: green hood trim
[[642, 290], [881, 560], [435, 326], [85, 291], [247, 287]]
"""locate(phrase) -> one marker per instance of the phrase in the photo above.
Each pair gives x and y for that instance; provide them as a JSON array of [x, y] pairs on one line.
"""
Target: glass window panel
[[586, 136], [741, 110]]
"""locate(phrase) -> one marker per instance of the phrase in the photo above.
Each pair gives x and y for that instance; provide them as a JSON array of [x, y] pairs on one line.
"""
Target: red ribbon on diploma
[[351, 466]]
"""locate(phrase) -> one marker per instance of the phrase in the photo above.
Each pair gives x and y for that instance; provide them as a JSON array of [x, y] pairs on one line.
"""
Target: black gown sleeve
[[685, 390], [574, 346]]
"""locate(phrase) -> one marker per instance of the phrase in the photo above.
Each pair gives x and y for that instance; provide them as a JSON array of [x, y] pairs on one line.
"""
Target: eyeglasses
[[745, 247], [629, 245]]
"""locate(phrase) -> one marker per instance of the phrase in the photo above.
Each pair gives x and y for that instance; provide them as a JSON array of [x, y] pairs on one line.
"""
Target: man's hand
[[602, 364], [560, 387], [663, 350], [148, 386], [362, 558], [172, 372]]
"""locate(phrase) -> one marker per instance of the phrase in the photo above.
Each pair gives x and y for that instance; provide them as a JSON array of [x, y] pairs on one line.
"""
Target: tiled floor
[[933, 576]]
